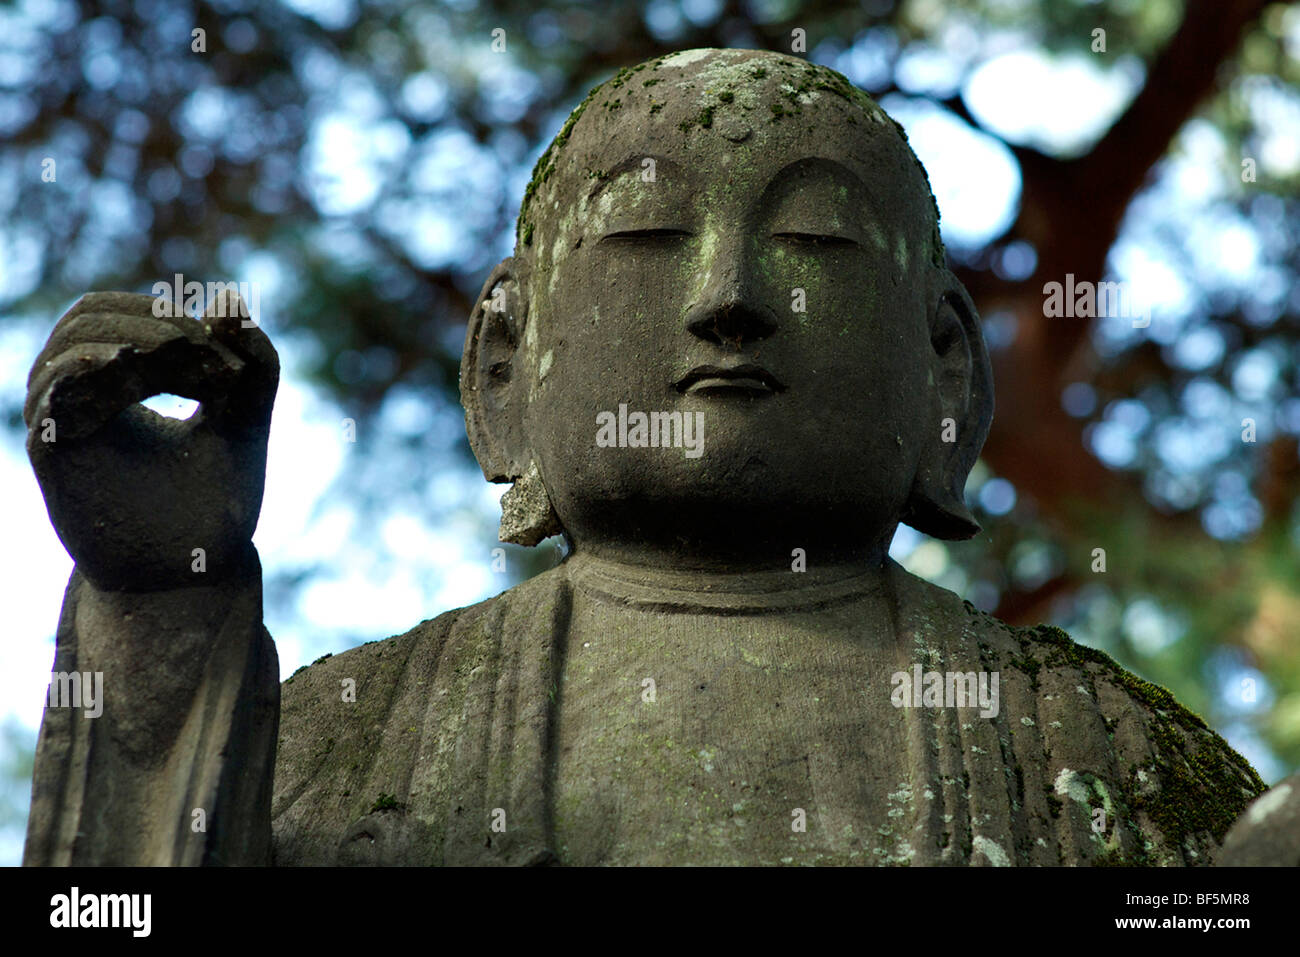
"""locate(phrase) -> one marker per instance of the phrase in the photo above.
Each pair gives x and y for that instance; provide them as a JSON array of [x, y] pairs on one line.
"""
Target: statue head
[[743, 243]]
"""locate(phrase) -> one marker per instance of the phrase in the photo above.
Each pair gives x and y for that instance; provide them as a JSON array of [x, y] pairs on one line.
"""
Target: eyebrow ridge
[[816, 162], [634, 162]]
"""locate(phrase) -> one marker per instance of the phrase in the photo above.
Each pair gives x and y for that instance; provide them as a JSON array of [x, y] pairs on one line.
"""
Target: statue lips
[[745, 379]]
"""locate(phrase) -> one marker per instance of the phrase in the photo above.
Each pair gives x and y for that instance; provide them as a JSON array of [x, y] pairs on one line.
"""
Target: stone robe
[[531, 712], [587, 716]]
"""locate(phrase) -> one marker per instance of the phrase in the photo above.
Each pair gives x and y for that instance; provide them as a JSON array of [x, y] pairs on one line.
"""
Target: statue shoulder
[[338, 674], [380, 663], [343, 734], [1183, 785], [360, 729]]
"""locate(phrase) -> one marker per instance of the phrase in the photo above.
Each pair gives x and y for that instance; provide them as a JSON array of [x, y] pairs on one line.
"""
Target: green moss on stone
[[621, 77], [1114, 857], [801, 77], [1199, 776], [1199, 788], [545, 165], [1064, 650]]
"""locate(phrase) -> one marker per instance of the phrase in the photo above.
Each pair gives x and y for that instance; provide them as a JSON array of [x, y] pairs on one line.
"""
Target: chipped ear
[[963, 381], [493, 390], [489, 379]]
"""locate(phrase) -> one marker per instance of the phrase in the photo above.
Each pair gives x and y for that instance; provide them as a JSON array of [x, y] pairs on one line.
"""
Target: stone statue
[[1268, 834], [726, 360]]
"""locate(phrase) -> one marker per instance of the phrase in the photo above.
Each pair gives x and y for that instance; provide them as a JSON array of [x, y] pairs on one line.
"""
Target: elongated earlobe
[[493, 413], [964, 382], [527, 516], [494, 392]]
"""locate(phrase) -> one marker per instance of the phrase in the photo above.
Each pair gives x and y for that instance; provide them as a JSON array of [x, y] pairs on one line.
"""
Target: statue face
[[704, 249]]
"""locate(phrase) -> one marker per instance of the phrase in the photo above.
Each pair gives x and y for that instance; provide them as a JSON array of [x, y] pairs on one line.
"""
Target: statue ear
[[494, 391], [963, 382]]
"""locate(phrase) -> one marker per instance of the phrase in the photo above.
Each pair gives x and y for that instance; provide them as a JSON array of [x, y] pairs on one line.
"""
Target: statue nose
[[732, 322], [729, 313]]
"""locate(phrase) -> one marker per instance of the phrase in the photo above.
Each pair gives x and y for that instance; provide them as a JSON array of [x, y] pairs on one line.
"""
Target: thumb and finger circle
[[97, 363]]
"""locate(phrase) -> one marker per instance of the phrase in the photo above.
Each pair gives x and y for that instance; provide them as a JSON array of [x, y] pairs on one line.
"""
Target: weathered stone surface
[[1268, 834], [735, 241], [468, 713]]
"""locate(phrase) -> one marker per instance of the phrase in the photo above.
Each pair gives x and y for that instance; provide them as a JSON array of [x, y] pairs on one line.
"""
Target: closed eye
[[645, 234], [816, 239]]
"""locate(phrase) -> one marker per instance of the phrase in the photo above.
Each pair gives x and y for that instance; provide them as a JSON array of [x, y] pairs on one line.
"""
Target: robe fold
[[450, 752], [588, 716], [173, 772]]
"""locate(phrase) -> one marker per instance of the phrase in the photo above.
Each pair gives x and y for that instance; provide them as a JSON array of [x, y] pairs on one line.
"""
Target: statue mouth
[[746, 379]]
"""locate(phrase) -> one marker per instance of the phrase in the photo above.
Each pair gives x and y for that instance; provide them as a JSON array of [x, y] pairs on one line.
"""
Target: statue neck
[[740, 551], [735, 589]]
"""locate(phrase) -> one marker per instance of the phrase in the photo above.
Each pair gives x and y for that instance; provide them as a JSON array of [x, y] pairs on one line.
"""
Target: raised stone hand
[[134, 495]]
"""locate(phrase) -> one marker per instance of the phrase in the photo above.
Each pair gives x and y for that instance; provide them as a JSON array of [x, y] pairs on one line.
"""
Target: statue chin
[[683, 526]]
